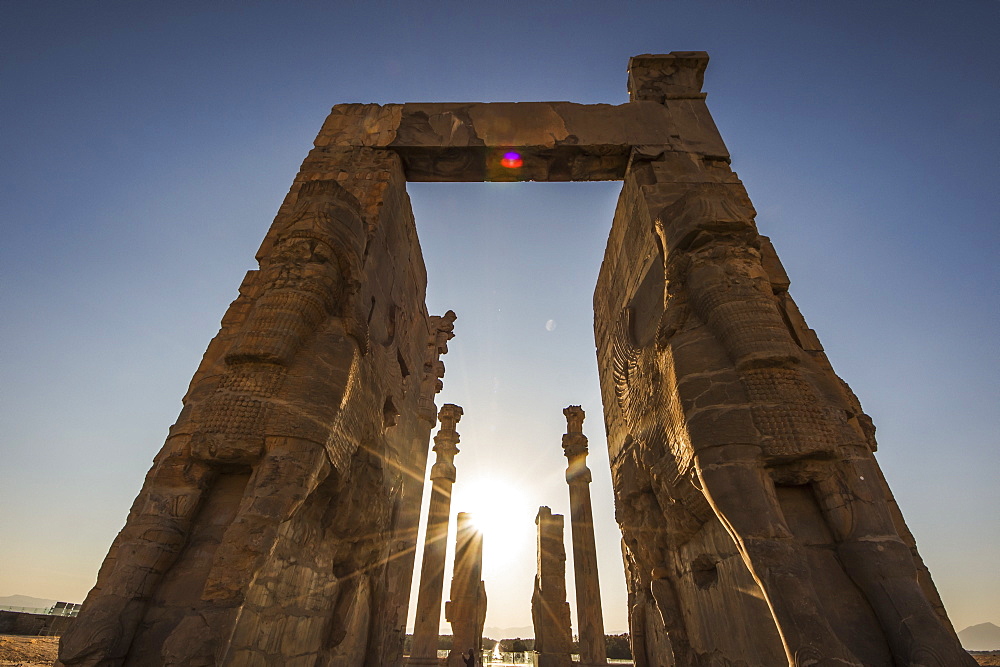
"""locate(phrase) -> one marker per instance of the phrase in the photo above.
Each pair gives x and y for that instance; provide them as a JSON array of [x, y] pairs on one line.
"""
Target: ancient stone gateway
[[278, 523]]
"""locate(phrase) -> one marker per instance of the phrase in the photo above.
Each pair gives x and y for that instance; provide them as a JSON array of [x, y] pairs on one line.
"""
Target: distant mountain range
[[982, 637], [25, 601]]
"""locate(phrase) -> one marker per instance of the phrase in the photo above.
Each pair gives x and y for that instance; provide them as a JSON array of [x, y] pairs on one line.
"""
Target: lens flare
[[499, 510], [511, 160]]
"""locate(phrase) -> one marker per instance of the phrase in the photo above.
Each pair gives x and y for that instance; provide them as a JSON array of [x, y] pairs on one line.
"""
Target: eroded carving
[[725, 402], [269, 510]]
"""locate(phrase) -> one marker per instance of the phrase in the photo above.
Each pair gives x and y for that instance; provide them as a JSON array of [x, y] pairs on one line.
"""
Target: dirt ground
[[18, 651]]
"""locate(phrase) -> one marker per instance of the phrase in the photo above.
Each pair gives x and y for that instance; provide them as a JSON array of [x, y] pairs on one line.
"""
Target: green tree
[[618, 646]]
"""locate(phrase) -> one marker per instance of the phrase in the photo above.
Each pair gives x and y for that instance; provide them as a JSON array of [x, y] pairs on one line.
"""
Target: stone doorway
[[278, 522], [522, 412]]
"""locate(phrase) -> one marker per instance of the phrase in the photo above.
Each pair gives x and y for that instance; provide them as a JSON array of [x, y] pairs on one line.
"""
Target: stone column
[[549, 609], [466, 611], [262, 491], [589, 616], [403, 551], [428, 619]]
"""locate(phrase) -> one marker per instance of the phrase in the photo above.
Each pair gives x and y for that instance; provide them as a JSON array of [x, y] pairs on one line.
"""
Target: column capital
[[445, 442], [574, 418], [449, 416], [574, 444]]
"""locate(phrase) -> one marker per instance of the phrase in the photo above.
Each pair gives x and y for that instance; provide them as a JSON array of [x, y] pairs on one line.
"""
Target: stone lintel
[[556, 141]]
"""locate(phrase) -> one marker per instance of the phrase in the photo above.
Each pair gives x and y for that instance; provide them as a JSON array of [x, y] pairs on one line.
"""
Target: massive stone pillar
[[276, 506], [589, 615], [549, 609], [428, 616], [757, 527], [466, 611]]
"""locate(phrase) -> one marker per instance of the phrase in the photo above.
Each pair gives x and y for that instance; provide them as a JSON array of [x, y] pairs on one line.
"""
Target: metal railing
[[58, 609]]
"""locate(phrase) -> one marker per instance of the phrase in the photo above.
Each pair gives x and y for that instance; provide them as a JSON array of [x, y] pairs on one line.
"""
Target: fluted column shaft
[[589, 615], [428, 617]]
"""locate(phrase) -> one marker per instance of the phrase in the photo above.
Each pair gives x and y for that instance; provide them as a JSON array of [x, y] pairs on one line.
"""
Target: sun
[[499, 510]]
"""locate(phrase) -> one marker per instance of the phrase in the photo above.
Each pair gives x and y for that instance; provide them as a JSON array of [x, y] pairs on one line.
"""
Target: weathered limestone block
[[466, 611], [428, 617], [589, 614], [549, 609], [757, 527], [264, 531]]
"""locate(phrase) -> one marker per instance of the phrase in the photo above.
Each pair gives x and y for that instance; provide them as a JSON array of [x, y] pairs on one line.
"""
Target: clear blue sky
[[146, 147]]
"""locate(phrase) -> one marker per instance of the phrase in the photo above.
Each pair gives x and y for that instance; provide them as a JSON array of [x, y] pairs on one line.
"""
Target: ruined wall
[[757, 528], [278, 522]]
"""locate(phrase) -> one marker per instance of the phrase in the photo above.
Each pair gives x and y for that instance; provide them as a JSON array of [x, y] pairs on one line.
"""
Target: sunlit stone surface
[[758, 529], [466, 610], [278, 522], [589, 616], [428, 618], [549, 609]]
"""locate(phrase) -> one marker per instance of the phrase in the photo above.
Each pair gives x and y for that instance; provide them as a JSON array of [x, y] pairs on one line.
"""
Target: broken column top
[[574, 442], [574, 418], [449, 416], [548, 141], [545, 513], [445, 443]]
